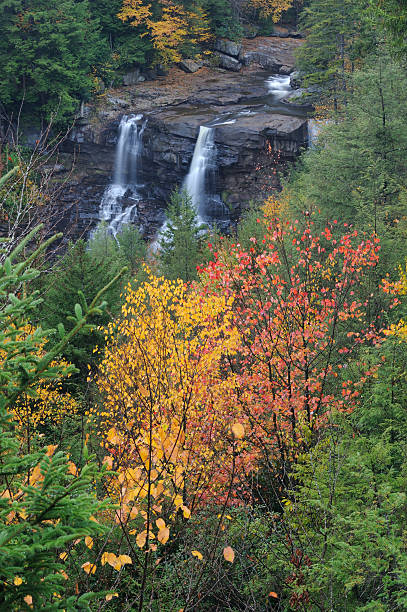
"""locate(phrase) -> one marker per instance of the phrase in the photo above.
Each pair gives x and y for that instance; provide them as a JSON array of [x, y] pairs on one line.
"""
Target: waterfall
[[202, 165], [125, 178], [279, 86]]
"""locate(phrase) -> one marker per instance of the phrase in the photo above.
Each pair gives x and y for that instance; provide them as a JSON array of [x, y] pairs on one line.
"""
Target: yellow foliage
[[167, 405], [196, 553], [89, 568], [50, 402], [272, 8], [171, 29], [238, 431]]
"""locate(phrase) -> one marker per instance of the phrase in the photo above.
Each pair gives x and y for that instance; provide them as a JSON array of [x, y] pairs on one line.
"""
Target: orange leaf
[[238, 431], [229, 554], [163, 535]]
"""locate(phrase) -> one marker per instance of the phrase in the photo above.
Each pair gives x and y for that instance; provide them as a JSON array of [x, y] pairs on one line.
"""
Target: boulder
[[228, 47], [285, 70], [228, 62], [190, 65], [132, 77], [266, 61], [295, 80]]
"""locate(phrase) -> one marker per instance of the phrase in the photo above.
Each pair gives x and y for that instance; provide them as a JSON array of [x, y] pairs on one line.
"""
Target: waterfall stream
[[202, 164], [278, 86], [126, 176]]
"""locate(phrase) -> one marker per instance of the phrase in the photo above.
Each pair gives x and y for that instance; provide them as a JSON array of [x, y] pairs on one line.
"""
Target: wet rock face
[[251, 142]]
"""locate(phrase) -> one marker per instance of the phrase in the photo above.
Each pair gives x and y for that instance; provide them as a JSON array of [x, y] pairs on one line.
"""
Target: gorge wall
[[256, 133]]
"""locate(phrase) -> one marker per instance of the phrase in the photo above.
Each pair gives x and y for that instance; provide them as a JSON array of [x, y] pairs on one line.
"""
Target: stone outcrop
[[228, 62], [228, 47], [190, 65]]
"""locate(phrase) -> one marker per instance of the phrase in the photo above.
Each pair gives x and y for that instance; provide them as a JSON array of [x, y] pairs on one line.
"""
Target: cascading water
[[199, 183], [200, 180], [202, 164], [278, 86], [125, 179]]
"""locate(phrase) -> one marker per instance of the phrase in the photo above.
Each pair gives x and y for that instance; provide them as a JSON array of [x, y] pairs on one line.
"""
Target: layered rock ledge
[[251, 140]]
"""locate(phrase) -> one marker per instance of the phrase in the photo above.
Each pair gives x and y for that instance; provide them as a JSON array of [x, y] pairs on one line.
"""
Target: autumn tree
[[272, 8], [174, 27], [297, 308], [167, 425]]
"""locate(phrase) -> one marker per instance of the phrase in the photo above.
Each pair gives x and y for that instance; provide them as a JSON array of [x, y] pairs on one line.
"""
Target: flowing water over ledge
[[252, 122], [126, 175]]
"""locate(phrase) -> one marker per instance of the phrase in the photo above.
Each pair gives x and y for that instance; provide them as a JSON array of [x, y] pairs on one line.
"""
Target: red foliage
[[298, 308]]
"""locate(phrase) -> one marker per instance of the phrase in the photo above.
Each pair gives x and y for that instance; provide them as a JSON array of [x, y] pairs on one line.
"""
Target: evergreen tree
[[180, 241], [85, 269], [132, 247], [393, 13], [356, 173], [47, 52], [45, 505], [346, 511], [122, 44], [337, 32]]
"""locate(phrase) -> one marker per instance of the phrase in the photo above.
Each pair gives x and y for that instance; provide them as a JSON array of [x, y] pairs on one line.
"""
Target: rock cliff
[[254, 139]]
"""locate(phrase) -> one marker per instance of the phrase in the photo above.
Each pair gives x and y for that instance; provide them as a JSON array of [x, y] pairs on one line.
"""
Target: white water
[[202, 163], [279, 86], [125, 179]]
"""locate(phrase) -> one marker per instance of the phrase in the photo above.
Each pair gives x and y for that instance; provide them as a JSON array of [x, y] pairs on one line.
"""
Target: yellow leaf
[[110, 596], [109, 558], [89, 542], [112, 436], [125, 559], [186, 511], [51, 449], [160, 523], [89, 568], [141, 539], [63, 555], [229, 554], [163, 535], [178, 501], [238, 431], [196, 553], [133, 512], [18, 580]]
